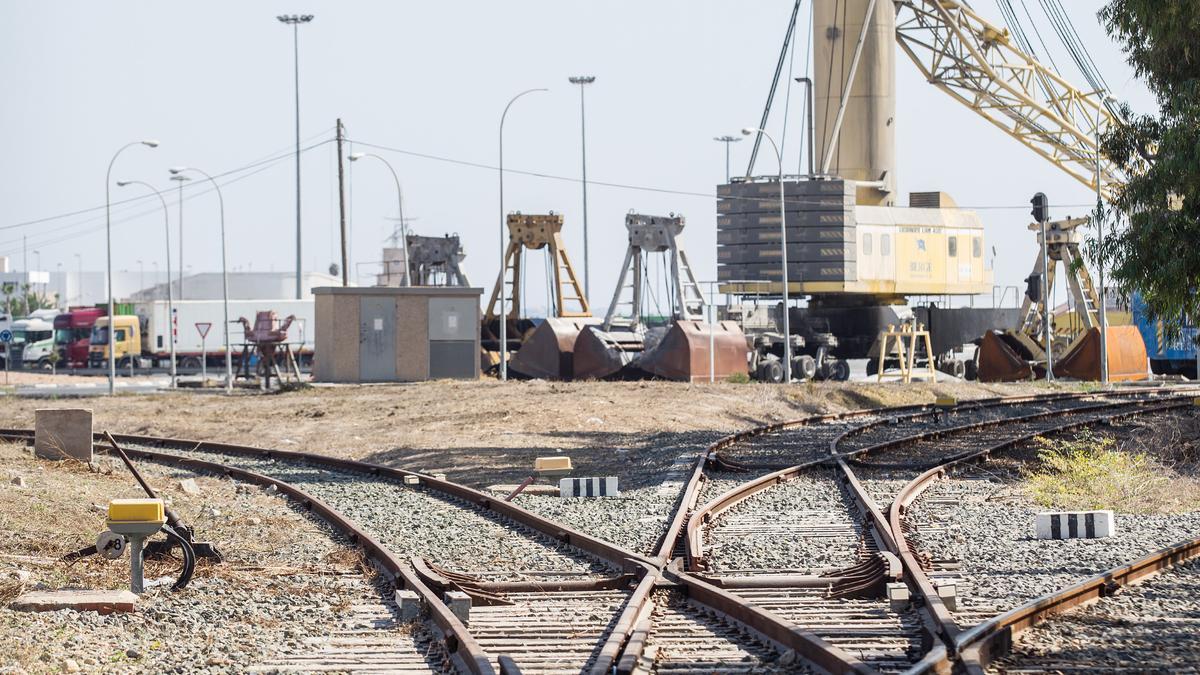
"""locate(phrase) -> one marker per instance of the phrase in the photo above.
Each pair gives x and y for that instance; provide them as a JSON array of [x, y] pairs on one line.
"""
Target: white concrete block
[[412, 480], [588, 487], [63, 433], [948, 592], [460, 605], [410, 605], [1075, 524], [898, 595]]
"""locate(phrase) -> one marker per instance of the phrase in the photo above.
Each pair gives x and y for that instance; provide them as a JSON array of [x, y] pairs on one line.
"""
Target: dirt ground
[[487, 432]]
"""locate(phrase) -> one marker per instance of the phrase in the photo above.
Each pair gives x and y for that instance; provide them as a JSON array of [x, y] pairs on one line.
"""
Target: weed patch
[[1089, 472]]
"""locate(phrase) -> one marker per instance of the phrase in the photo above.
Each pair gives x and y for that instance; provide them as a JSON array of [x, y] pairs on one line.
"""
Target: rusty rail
[[994, 637], [462, 647], [947, 627]]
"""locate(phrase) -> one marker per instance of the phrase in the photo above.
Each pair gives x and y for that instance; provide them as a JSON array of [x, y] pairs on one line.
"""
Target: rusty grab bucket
[[601, 354], [1126, 356], [683, 352], [548, 352], [1002, 358]]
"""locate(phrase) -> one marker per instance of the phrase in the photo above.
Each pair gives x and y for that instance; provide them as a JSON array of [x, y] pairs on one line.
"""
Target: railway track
[[547, 598]]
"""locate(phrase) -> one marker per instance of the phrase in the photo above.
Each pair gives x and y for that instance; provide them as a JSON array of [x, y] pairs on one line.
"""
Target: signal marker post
[[6, 337], [202, 328]]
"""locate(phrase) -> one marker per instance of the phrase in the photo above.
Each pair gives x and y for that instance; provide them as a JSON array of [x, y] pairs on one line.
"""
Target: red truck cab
[[72, 330]]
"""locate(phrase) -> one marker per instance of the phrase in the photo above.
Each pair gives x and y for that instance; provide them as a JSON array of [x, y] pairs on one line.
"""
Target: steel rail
[[996, 636], [459, 643], [980, 404], [626, 560], [947, 626], [622, 558], [881, 529]]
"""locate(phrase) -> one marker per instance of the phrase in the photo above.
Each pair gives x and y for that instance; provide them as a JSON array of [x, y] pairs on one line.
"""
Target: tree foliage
[[1156, 252]]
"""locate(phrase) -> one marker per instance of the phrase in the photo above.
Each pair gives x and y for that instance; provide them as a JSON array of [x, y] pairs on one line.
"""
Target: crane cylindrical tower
[[864, 149]]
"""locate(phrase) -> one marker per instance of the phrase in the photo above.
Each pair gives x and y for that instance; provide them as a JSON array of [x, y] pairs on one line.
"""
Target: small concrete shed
[[379, 334]]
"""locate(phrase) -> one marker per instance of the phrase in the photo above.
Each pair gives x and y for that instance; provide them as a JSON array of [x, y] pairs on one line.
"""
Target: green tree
[[1156, 252]]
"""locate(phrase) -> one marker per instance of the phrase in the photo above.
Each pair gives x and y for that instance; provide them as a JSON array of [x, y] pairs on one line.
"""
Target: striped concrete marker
[[1075, 524], [588, 487]]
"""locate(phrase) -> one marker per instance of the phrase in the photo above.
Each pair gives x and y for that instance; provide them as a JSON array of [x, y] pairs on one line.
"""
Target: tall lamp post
[[787, 324], [112, 308], [583, 81], [224, 276], [181, 179], [354, 157], [503, 290], [727, 140], [170, 296], [294, 20]]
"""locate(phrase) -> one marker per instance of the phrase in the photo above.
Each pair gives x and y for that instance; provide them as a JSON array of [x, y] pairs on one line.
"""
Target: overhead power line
[[649, 188]]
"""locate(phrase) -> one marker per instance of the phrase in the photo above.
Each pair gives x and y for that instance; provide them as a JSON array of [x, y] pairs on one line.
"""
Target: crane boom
[[978, 65]]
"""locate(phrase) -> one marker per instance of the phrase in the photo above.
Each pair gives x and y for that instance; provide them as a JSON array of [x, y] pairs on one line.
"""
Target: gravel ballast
[[802, 525], [413, 521], [287, 581]]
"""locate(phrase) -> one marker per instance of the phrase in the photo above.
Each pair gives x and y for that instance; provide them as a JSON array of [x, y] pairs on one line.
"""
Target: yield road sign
[[202, 328]]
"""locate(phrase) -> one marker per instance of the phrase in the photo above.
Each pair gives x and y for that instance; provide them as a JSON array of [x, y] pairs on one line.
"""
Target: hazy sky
[[213, 83]]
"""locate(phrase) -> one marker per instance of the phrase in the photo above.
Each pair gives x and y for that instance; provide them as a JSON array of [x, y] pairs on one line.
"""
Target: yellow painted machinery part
[[136, 511]]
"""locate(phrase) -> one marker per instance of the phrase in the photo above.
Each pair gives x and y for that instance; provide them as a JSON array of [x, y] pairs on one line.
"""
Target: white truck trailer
[[189, 348]]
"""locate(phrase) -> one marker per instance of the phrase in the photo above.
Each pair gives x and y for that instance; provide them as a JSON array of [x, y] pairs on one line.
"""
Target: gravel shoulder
[[288, 579]]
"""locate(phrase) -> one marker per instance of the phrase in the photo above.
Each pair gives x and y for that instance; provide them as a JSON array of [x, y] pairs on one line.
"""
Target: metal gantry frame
[[978, 65]]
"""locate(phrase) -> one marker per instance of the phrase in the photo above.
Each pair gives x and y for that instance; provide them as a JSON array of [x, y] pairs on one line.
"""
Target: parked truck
[[32, 339], [145, 335], [72, 334]]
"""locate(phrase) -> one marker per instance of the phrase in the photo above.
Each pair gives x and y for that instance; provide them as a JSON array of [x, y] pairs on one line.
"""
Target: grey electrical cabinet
[[383, 334]]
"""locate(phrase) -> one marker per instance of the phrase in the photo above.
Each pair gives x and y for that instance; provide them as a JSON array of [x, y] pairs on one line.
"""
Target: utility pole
[[342, 200], [294, 21], [583, 81]]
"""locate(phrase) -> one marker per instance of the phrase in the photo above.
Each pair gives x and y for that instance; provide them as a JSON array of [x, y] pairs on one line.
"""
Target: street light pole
[[583, 81], [727, 140], [112, 305], [294, 21], [354, 157], [170, 296], [224, 276], [503, 290], [787, 325], [181, 179]]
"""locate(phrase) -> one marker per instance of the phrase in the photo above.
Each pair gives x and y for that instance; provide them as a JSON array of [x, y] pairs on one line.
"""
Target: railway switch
[[134, 520]]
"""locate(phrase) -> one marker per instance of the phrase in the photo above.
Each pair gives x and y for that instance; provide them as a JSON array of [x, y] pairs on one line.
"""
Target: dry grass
[[1091, 472]]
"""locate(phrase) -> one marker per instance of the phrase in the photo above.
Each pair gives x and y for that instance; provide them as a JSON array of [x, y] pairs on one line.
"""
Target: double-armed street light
[[112, 309]]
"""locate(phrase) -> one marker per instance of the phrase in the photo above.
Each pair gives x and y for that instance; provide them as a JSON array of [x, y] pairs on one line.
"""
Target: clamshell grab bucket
[[1002, 358], [1126, 356], [548, 352], [601, 354], [683, 353]]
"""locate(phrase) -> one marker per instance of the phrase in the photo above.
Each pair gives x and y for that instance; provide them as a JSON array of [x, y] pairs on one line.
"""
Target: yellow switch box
[[136, 511], [946, 402], [552, 466]]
